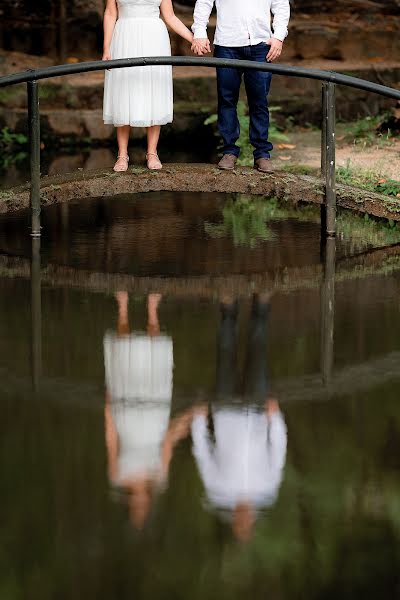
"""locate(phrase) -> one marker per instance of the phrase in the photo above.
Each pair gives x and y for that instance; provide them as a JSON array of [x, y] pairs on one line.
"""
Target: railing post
[[328, 156], [34, 143], [36, 314], [328, 309]]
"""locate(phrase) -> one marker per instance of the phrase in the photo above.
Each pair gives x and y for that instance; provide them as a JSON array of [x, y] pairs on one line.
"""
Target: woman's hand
[[106, 54]]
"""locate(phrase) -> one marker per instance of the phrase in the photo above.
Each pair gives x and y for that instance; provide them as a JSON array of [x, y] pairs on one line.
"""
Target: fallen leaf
[[286, 146], [71, 60], [376, 59], [340, 138], [381, 181], [284, 157], [397, 195]]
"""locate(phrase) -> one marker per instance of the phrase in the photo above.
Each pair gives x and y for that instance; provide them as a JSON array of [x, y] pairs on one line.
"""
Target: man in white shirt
[[241, 457], [243, 32]]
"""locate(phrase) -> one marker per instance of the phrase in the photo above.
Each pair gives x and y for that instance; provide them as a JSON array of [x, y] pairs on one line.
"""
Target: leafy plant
[[365, 131], [244, 219], [368, 179], [12, 147], [246, 155]]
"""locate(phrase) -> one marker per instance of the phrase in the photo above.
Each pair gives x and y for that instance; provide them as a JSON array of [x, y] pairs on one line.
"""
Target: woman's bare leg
[[123, 141], [153, 326], [123, 318], [153, 135]]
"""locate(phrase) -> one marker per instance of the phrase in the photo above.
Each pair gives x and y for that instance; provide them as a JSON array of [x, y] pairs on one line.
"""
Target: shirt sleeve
[[202, 450], [278, 441], [281, 12], [201, 16]]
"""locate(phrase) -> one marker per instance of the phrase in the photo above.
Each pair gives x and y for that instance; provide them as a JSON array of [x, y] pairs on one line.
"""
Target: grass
[[368, 179], [297, 169], [363, 231], [364, 131]]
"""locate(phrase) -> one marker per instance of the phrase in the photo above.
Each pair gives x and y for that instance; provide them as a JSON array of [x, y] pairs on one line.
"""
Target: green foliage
[[299, 169], [9, 138], [12, 147], [365, 231], [364, 131], [390, 187], [369, 179], [245, 220], [11, 96], [275, 134]]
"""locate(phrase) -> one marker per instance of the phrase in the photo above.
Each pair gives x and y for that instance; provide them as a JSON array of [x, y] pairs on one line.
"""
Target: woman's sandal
[[121, 164], [153, 162]]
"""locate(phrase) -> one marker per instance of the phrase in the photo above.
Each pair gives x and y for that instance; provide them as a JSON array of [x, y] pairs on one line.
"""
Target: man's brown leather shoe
[[227, 162], [264, 165]]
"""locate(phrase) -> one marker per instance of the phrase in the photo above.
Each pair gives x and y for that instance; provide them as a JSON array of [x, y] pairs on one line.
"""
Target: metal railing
[[329, 78]]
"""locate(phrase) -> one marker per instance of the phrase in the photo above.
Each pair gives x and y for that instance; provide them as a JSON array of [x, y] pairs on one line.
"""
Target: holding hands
[[201, 46]]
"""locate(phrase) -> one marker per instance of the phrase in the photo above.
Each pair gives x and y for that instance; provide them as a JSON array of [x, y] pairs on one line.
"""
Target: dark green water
[[246, 466]]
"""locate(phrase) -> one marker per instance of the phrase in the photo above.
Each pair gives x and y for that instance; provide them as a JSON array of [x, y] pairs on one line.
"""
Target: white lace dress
[[139, 96]]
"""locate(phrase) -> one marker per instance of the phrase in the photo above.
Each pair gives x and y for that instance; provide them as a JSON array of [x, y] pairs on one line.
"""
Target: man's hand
[[275, 50], [201, 46]]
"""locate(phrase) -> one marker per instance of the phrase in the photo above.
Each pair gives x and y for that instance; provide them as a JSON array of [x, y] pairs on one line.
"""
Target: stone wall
[[327, 6], [36, 28]]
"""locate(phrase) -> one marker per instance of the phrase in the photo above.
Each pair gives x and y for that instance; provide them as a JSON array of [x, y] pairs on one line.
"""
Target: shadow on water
[[183, 442]]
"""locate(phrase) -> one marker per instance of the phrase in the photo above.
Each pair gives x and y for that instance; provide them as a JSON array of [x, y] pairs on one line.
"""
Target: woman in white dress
[[139, 96], [140, 435]]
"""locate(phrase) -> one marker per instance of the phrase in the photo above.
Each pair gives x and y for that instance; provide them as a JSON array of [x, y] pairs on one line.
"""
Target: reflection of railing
[[329, 79], [322, 385], [325, 275]]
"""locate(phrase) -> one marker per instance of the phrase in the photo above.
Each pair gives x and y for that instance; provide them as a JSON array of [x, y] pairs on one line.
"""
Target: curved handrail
[[191, 61]]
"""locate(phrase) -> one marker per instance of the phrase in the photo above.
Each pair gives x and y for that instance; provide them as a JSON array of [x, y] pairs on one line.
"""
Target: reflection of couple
[[143, 96], [140, 436], [239, 443], [240, 449]]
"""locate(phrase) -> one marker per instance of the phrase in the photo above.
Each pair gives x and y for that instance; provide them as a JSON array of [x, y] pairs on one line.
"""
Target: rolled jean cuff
[[261, 154]]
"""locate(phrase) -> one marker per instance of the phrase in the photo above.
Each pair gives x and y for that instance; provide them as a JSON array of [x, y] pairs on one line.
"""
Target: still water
[[198, 402]]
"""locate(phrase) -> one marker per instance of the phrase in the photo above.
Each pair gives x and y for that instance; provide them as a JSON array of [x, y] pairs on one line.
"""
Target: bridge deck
[[194, 178]]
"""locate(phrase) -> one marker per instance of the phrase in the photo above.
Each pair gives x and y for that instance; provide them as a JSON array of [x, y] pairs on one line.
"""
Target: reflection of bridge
[[322, 386], [284, 279]]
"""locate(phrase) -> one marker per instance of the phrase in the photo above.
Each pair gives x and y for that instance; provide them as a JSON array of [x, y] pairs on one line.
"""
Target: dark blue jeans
[[257, 86]]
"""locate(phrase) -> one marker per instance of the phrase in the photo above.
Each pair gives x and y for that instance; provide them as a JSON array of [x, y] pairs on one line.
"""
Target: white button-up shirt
[[245, 464], [242, 22]]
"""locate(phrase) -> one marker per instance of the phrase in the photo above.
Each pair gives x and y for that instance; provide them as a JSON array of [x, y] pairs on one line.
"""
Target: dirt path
[[381, 158]]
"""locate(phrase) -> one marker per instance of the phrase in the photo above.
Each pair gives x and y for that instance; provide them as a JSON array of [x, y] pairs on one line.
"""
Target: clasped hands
[[202, 46]]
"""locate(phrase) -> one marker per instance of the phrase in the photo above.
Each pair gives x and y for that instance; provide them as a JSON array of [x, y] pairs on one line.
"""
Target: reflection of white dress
[[246, 461], [139, 96], [138, 372]]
